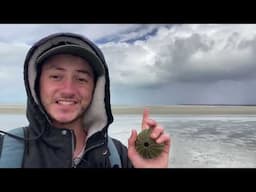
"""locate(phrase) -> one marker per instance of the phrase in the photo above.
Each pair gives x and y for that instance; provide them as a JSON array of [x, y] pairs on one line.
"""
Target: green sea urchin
[[146, 146]]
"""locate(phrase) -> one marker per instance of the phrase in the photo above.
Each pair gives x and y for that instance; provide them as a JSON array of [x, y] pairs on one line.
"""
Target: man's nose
[[68, 87]]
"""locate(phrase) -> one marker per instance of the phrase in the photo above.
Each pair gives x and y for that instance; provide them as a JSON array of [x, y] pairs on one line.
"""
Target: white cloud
[[12, 59], [159, 55], [11, 72], [16, 39], [184, 53], [131, 64]]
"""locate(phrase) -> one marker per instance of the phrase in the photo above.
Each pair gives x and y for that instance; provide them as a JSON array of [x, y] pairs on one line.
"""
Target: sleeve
[[123, 152]]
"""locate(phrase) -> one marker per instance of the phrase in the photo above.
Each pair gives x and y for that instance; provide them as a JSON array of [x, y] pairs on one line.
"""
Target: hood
[[97, 117]]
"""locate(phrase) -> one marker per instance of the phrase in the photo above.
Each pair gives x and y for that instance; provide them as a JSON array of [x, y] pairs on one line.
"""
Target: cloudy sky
[[150, 64]]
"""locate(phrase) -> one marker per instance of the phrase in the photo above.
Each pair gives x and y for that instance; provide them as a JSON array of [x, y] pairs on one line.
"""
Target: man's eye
[[55, 77], [82, 79]]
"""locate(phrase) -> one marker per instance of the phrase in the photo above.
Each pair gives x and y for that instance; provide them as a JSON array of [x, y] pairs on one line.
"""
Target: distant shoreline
[[9, 109], [188, 109], [169, 109]]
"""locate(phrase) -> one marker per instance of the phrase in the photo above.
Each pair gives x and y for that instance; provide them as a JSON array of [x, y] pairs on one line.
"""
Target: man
[[69, 111]]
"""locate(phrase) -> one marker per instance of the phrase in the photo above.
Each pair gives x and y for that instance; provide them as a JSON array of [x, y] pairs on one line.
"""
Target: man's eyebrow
[[84, 71], [59, 68], [55, 68]]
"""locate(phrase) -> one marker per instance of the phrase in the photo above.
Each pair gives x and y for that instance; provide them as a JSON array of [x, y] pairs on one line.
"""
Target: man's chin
[[65, 120]]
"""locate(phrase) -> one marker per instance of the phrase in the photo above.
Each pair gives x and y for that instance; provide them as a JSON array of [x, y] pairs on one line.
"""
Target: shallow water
[[198, 141], [201, 141]]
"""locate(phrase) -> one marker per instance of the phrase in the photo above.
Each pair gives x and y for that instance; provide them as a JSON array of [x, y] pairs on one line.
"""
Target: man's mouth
[[66, 102]]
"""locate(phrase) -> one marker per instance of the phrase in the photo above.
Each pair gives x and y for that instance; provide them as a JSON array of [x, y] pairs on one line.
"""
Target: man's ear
[[37, 86]]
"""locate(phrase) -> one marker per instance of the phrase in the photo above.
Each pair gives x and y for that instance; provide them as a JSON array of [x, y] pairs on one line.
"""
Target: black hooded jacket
[[50, 147]]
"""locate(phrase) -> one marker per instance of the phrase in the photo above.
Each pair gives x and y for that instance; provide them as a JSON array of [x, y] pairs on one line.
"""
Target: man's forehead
[[66, 60]]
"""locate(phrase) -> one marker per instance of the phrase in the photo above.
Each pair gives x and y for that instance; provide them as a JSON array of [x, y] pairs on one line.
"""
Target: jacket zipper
[[85, 151], [92, 147], [73, 148], [88, 149]]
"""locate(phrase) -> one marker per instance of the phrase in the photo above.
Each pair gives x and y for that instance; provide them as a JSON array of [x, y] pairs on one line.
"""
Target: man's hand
[[159, 136]]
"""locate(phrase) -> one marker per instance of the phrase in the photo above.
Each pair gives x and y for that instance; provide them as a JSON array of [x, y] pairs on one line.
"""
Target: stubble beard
[[79, 117]]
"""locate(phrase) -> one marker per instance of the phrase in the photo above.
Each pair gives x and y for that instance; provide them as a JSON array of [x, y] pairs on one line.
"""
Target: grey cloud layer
[[172, 55], [151, 64]]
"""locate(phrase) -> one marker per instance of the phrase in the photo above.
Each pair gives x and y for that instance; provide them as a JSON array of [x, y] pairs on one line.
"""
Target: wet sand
[[171, 109], [12, 109], [189, 109]]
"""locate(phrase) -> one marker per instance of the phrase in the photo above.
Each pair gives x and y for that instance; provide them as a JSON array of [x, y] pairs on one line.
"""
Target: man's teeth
[[66, 102]]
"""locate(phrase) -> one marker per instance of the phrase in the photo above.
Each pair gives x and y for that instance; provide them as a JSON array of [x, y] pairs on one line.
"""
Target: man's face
[[66, 88]]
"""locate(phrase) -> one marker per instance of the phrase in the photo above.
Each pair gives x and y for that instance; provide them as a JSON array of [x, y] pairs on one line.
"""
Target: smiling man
[[66, 87], [69, 111]]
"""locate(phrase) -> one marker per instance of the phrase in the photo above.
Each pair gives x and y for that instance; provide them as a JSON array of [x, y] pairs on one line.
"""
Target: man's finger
[[156, 132], [145, 117], [132, 139]]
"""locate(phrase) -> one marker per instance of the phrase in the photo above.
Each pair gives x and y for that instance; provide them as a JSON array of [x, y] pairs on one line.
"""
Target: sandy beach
[[12, 109], [188, 109], [170, 109]]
